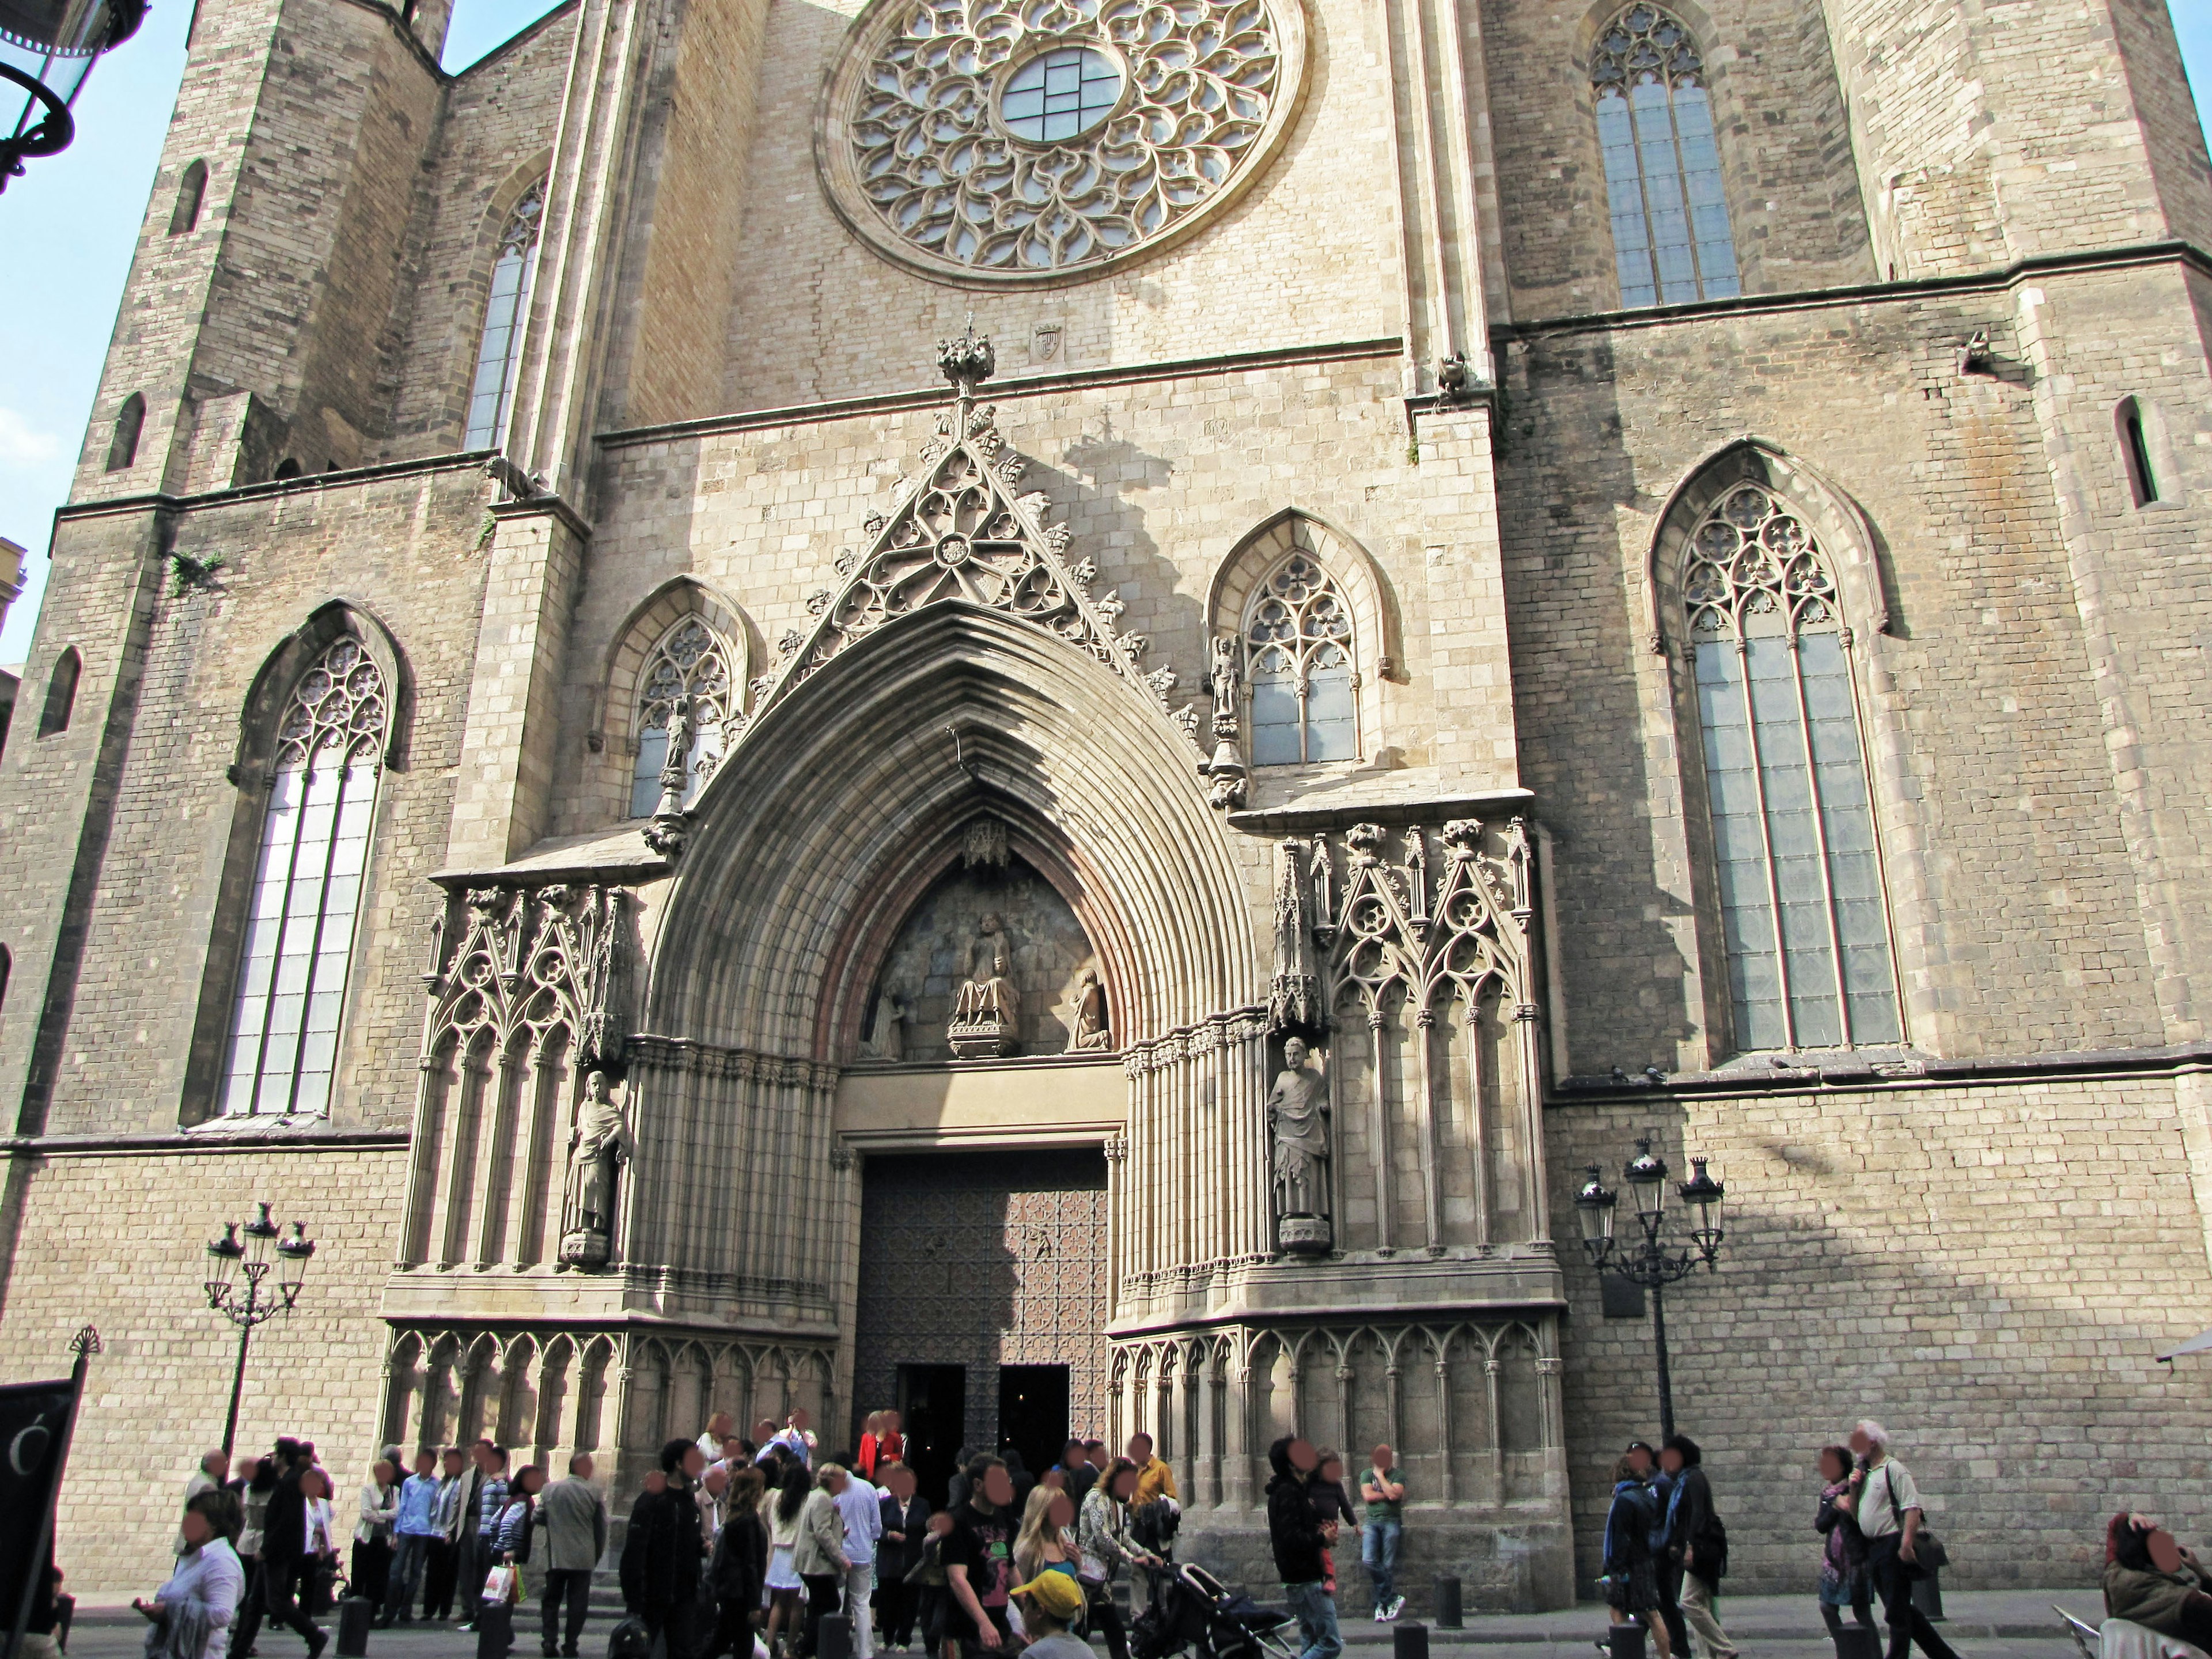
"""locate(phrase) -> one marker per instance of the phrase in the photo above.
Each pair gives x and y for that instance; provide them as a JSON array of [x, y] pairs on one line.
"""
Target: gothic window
[[499, 351], [691, 660], [306, 888], [1297, 642], [61, 693], [192, 189], [1793, 827], [1671, 240], [123, 446]]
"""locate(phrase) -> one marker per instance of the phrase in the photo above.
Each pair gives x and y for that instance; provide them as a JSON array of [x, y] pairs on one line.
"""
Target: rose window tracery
[[1032, 139]]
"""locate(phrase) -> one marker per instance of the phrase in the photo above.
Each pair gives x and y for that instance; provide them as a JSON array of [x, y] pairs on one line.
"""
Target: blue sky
[[68, 225]]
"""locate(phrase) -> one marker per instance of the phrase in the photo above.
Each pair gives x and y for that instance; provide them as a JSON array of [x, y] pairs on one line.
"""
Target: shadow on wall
[[1989, 1283]]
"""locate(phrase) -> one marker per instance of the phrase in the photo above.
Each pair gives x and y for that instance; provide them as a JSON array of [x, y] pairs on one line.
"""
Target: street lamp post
[[236, 1288], [1650, 1262], [46, 50]]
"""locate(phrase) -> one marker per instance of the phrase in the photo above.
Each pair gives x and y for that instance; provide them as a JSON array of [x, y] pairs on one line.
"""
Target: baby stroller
[[1191, 1609]]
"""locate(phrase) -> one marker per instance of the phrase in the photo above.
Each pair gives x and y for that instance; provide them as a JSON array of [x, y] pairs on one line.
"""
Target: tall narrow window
[[1671, 240], [1793, 828], [2134, 453], [61, 693], [499, 354], [307, 888], [691, 661], [1297, 642], [123, 446], [192, 189]]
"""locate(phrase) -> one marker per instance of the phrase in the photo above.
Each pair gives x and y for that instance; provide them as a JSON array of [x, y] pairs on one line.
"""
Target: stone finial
[[968, 360]]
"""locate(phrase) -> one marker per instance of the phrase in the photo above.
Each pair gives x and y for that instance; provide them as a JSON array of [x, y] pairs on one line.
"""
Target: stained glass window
[[307, 888], [690, 661], [1671, 240], [499, 350], [1297, 645], [1801, 888]]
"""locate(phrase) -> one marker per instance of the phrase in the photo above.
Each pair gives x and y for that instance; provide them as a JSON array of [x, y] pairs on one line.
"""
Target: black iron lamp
[[46, 49], [1645, 1258], [1704, 1194], [245, 1252]]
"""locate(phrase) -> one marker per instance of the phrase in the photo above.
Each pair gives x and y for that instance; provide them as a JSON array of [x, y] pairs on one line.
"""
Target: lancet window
[[292, 972], [1298, 646], [499, 350], [691, 662], [1801, 891], [1671, 239]]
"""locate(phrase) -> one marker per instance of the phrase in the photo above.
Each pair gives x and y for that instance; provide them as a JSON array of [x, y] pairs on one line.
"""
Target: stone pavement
[[1979, 1624]]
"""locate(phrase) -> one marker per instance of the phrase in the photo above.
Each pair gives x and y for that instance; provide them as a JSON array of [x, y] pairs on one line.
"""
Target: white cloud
[[23, 446]]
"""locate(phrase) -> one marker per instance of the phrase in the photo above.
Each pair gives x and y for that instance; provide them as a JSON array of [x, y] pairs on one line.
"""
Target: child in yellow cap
[[1052, 1602]]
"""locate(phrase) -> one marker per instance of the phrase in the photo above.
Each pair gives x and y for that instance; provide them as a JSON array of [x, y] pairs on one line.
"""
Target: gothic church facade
[[1042, 708]]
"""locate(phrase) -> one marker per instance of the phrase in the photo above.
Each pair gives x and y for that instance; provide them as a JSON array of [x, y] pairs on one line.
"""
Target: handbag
[[1927, 1551]]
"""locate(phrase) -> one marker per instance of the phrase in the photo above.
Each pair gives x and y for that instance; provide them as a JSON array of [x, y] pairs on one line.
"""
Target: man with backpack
[[1697, 1544]]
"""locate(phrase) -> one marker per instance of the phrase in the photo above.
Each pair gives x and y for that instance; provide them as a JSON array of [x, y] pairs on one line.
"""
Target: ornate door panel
[[983, 1259]]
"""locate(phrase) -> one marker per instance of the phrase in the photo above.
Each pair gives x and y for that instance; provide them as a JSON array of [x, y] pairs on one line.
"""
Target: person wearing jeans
[[1383, 1494], [411, 1533], [1298, 1537]]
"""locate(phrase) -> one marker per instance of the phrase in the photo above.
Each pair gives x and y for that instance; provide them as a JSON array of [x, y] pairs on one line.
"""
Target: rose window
[[1039, 139]]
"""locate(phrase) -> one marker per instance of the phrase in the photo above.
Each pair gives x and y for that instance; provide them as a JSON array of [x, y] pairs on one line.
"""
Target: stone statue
[[598, 1149], [887, 1033], [1088, 1029], [987, 1014], [1297, 1122], [675, 765]]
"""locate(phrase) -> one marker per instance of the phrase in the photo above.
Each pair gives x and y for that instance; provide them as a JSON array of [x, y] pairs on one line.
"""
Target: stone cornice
[[124, 505], [1008, 391], [1992, 281], [196, 1143], [1842, 1071], [669, 1054]]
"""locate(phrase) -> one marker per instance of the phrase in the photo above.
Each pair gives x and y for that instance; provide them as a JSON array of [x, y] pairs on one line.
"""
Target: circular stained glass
[[1060, 95], [989, 141]]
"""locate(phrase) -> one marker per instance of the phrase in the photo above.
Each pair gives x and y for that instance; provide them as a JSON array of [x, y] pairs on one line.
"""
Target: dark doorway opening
[[1033, 1414], [932, 1408]]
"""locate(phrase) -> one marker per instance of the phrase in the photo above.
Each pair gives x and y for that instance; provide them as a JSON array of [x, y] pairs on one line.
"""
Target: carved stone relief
[[951, 984]]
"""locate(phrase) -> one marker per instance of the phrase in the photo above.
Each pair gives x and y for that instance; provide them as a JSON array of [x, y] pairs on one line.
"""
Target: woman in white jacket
[[372, 1534], [194, 1610]]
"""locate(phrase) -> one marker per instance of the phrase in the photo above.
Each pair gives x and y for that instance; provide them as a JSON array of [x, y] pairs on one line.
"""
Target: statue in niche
[[987, 1014], [1088, 1029], [886, 1038], [598, 1147], [1298, 1122]]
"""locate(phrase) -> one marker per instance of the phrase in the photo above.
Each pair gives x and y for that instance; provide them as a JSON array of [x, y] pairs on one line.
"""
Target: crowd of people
[[737, 1536]]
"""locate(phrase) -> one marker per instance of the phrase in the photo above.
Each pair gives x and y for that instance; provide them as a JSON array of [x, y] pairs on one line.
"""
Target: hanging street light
[[1649, 1261], [46, 50], [238, 1267]]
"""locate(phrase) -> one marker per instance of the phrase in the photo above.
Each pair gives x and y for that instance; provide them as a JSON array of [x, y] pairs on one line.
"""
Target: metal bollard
[[1854, 1641], [1627, 1641], [1928, 1596], [1409, 1639], [356, 1614], [1448, 1602], [836, 1642], [495, 1628]]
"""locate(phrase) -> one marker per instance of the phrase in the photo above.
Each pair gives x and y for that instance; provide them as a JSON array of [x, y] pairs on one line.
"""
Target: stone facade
[[1011, 638]]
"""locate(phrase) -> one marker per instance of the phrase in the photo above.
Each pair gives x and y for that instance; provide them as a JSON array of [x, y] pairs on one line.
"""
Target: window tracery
[[1298, 646], [692, 662], [1016, 139], [499, 348], [1671, 238], [1799, 877], [298, 947]]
